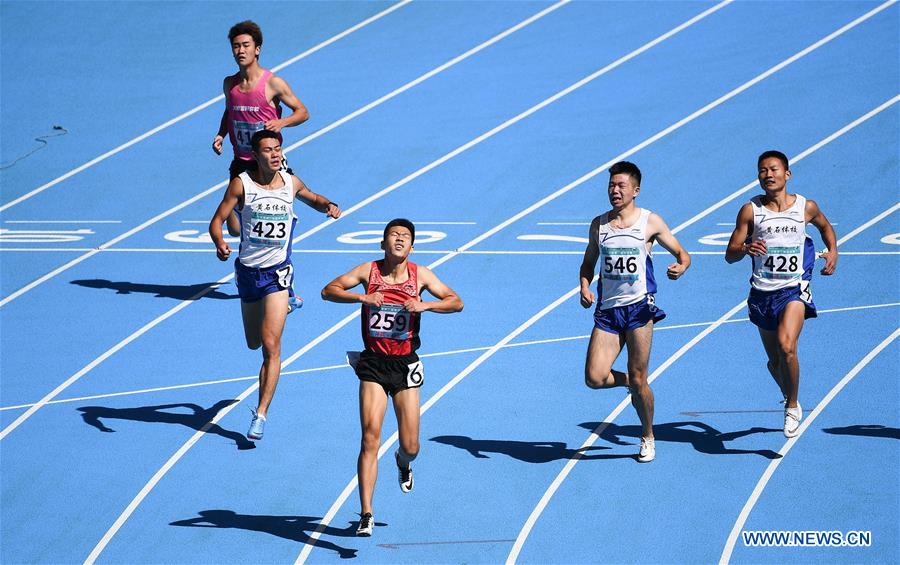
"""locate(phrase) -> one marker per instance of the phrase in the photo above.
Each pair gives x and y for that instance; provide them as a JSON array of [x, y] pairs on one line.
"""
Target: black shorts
[[239, 166], [393, 372]]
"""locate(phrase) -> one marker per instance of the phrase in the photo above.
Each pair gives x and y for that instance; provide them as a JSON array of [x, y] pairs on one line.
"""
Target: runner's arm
[[816, 217], [232, 198], [737, 247], [282, 92], [448, 301], [315, 201], [661, 233], [589, 263], [338, 290]]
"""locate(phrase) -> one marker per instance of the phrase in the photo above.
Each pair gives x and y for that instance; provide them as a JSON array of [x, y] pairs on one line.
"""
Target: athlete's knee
[[409, 449], [637, 381], [787, 346], [271, 346], [371, 439]]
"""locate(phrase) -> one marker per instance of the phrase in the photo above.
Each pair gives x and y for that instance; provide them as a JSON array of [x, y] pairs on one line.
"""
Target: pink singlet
[[248, 113]]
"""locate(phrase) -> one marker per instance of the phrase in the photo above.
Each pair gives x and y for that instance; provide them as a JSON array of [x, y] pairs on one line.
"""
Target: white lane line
[[196, 109], [530, 343], [421, 223], [871, 222], [595, 435], [773, 465], [307, 549], [62, 221], [563, 223], [174, 459], [315, 135], [370, 251]]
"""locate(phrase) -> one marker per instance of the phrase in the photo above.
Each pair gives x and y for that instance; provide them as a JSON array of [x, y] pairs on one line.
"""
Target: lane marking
[[773, 464], [595, 435], [198, 108], [315, 135], [63, 221], [529, 343]]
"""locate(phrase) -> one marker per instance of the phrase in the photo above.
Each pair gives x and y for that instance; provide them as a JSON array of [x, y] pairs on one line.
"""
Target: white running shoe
[[648, 450], [792, 417], [404, 476], [366, 523]]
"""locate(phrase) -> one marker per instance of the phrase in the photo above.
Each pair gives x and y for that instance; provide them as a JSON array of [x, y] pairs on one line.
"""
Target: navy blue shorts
[[253, 284], [620, 319], [765, 308]]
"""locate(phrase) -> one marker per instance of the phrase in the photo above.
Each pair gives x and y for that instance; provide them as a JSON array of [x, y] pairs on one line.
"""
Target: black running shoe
[[404, 476], [366, 522]]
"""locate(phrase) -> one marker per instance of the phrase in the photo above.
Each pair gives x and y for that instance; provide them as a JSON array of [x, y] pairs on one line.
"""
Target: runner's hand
[[831, 258], [333, 210], [374, 299], [674, 271], [217, 144], [223, 251], [757, 248], [274, 125], [414, 306], [587, 298]]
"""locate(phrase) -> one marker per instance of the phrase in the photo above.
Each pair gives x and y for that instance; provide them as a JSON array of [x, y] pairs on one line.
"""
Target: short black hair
[[625, 167], [777, 155], [402, 222], [261, 135], [246, 27]]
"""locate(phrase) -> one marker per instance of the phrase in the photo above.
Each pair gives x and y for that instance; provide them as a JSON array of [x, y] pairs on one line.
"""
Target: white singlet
[[267, 223], [626, 268], [790, 250]]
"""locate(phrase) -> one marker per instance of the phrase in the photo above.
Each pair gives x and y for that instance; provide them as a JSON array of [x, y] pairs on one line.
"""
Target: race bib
[[389, 321], [415, 375], [243, 132], [285, 276], [620, 263], [782, 263], [806, 292]]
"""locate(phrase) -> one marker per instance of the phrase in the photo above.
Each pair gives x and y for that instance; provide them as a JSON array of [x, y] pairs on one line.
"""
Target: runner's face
[[269, 155], [772, 175], [244, 50], [398, 242], [622, 190]]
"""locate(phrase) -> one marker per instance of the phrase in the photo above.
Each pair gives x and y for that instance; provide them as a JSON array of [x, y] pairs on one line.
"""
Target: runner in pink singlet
[[253, 99]]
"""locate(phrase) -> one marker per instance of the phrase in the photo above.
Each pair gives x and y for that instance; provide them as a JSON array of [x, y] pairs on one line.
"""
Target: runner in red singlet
[[391, 308]]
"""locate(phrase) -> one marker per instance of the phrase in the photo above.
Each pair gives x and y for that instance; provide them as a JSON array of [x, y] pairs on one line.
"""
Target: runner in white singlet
[[626, 308], [264, 274], [771, 229]]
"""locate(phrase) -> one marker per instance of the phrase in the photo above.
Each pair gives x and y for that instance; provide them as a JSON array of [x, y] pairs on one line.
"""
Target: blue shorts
[[620, 319], [253, 284], [766, 307]]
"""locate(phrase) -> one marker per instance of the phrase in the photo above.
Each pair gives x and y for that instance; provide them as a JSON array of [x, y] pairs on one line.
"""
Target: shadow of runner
[[294, 528], [175, 291], [527, 451], [866, 430], [94, 416], [704, 438]]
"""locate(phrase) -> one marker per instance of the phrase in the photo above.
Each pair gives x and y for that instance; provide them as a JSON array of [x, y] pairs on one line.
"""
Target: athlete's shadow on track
[[294, 528], [527, 451], [868, 430], [93, 415], [175, 291], [703, 437]]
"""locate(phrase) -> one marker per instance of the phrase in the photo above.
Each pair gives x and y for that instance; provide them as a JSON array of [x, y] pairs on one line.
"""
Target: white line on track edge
[[198, 108], [773, 465]]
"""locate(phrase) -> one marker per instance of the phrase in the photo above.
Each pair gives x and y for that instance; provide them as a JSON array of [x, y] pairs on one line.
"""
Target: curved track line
[[196, 109], [508, 123], [773, 465], [314, 135], [424, 356], [595, 435]]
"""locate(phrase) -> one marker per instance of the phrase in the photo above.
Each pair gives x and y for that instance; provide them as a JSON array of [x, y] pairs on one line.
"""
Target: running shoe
[[257, 426], [648, 450], [366, 523], [792, 417], [404, 476], [294, 303]]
